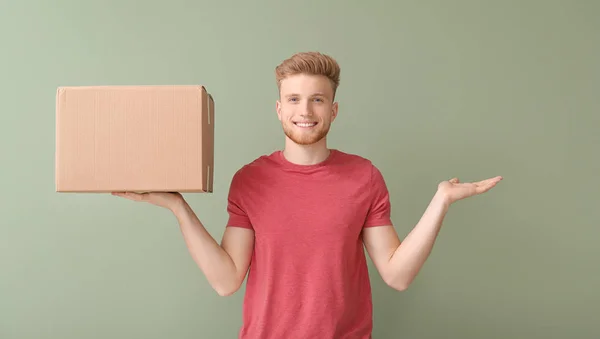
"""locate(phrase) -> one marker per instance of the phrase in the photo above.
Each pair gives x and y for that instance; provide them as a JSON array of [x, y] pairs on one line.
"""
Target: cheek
[[286, 116], [326, 115]]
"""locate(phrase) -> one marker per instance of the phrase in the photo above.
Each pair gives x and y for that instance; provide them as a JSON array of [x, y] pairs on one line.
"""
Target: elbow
[[227, 283], [398, 283], [226, 290], [400, 287]]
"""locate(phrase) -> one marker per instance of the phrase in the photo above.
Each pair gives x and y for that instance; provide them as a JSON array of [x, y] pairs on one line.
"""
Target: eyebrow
[[314, 94]]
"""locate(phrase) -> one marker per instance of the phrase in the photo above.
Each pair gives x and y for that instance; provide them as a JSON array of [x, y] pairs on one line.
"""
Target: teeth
[[306, 124]]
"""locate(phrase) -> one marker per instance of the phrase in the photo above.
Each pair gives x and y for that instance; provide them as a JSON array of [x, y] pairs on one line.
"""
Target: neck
[[306, 154]]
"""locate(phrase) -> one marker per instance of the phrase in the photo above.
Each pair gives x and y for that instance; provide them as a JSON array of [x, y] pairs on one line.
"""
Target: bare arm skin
[[224, 265], [399, 263]]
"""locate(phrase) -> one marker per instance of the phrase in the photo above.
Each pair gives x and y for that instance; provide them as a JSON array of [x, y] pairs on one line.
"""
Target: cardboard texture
[[134, 138]]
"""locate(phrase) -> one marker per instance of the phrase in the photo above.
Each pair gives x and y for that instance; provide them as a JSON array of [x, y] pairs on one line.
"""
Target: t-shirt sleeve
[[238, 216], [380, 208]]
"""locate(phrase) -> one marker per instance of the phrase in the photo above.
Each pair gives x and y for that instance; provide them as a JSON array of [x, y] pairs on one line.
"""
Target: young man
[[299, 218]]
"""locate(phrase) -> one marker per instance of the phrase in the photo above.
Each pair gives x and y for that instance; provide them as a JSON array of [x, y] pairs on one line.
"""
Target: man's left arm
[[399, 262]]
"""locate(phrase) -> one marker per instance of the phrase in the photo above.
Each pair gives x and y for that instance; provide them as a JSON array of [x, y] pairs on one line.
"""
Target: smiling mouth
[[305, 124]]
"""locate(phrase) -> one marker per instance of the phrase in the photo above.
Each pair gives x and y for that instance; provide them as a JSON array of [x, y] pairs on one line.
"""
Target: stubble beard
[[308, 137]]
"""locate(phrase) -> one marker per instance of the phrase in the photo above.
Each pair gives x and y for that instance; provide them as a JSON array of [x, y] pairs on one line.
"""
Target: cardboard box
[[134, 138]]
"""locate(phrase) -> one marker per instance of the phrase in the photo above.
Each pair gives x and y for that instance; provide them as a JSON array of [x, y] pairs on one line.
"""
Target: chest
[[310, 208]]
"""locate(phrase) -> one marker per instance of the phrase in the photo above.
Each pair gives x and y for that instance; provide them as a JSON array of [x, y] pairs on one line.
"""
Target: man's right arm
[[225, 265]]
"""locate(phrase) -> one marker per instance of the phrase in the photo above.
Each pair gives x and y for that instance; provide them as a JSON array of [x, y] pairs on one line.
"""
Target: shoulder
[[354, 162], [360, 169], [256, 168], [349, 159]]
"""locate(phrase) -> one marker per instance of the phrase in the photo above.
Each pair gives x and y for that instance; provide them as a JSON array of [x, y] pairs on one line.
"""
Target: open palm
[[454, 190], [162, 199]]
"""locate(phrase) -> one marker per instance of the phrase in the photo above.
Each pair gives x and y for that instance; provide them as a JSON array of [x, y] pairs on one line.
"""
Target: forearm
[[213, 260], [408, 259]]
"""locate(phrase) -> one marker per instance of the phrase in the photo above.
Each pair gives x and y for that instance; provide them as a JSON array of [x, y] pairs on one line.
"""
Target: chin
[[304, 141], [305, 133]]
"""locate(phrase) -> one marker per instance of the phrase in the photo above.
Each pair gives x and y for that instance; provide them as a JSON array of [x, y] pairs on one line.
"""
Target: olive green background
[[429, 90]]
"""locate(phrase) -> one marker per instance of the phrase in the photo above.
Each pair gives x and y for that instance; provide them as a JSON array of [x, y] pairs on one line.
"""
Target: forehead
[[305, 84]]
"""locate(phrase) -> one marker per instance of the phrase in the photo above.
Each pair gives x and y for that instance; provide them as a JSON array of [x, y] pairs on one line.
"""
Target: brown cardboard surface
[[134, 138]]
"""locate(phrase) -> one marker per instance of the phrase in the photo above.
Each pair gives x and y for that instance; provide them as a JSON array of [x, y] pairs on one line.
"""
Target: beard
[[305, 136]]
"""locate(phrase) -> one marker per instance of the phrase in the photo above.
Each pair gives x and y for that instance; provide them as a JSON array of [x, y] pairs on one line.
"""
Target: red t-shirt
[[308, 276]]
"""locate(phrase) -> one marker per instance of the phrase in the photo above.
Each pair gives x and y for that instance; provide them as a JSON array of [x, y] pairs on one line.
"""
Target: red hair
[[313, 63]]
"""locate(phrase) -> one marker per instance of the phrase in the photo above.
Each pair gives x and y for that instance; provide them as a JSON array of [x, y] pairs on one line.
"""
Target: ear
[[334, 112], [278, 109]]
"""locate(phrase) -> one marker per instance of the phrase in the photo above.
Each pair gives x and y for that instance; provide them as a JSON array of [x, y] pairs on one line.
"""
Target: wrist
[[178, 206], [441, 197]]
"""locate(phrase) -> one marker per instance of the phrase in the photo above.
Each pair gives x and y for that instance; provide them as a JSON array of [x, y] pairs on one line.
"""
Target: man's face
[[306, 108]]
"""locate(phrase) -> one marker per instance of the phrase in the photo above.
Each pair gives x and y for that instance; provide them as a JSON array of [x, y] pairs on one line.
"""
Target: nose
[[307, 109]]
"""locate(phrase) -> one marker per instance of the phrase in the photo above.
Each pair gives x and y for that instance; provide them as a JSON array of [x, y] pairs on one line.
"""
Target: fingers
[[490, 181], [130, 195], [485, 185], [483, 189], [454, 181]]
